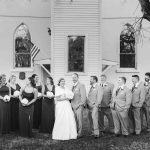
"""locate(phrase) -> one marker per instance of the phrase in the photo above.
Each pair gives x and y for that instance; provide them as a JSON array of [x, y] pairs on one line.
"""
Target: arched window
[[127, 47], [22, 54]]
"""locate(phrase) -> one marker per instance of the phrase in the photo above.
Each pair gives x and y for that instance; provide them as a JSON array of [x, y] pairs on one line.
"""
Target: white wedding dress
[[65, 125]]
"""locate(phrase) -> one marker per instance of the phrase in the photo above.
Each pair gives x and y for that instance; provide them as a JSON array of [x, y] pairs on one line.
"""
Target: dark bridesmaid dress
[[14, 109], [48, 115], [37, 110], [4, 111], [26, 116]]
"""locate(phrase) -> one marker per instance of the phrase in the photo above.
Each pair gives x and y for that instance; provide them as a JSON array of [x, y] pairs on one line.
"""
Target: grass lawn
[[44, 142]]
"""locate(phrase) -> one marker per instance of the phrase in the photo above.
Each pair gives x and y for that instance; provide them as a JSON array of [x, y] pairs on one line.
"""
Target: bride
[[65, 125]]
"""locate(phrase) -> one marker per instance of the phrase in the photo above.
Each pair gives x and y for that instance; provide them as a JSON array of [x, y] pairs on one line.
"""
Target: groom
[[78, 102]]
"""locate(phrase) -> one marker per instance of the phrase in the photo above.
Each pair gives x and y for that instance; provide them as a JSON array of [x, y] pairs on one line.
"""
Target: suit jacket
[[138, 95], [107, 94], [79, 95], [95, 96], [122, 100], [147, 95]]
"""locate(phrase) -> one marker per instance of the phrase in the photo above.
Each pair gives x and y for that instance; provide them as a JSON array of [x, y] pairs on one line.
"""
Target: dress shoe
[[92, 134], [137, 134], [111, 131], [148, 130], [125, 136], [117, 135], [79, 136], [96, 136], [133, 133], [101, 134]]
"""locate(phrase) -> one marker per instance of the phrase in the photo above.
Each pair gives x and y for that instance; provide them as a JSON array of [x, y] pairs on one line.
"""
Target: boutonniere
[[146, 87]]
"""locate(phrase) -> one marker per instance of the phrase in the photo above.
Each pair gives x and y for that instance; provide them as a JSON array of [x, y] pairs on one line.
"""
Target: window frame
[[67, 72], [125, 69], [14, 68]]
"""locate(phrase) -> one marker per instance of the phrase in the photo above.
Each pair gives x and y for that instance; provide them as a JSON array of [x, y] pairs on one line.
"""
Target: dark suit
[[77, 103], [94, 100], [105, 107]]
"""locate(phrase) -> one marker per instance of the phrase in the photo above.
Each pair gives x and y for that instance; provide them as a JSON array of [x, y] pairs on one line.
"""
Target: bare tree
[[145, 8]]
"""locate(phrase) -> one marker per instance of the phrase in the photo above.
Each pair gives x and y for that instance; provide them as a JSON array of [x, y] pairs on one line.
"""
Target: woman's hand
[[25, 104], [61, 97], [64, 97], [1, 97], [45, 96], [28, 104], [50, 97], [39, 97], [4, 100], [12, 96]]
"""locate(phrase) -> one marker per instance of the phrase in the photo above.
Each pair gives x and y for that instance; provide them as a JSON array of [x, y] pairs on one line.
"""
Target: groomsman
[[94, 100], [78, 101], [146, 105], [138, 97], [105, 105], [120, 105]]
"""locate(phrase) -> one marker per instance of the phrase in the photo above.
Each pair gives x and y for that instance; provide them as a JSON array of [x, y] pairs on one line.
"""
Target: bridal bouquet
[[39, 94], [16, 93], [69, 94], [7, 98], [24, 101], [49, 94], [66, 94]]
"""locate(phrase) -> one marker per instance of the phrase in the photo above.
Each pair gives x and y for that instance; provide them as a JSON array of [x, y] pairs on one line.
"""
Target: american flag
[[34, 51]]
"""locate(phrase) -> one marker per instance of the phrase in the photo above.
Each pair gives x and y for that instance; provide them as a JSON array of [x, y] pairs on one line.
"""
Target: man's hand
[[97, 105]]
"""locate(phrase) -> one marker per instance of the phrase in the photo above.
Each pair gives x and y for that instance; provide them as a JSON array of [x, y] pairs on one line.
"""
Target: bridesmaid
[[26, 110], [48, 114], [14, 104], [4, 106], [38, 104]]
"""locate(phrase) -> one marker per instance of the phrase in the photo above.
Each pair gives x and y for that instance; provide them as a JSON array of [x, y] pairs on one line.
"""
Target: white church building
[[83, 36]]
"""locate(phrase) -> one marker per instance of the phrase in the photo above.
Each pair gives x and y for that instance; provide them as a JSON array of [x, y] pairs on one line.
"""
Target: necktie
[[73, 88], [91, 88], [133, 88], [117, 91]]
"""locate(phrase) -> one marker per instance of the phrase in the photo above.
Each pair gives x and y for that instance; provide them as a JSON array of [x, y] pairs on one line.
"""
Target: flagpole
[[52, 38]]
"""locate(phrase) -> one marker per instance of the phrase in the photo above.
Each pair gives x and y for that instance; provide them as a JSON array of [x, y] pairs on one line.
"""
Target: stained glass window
[[76, 46], [22, 47], [127, 47]]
